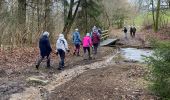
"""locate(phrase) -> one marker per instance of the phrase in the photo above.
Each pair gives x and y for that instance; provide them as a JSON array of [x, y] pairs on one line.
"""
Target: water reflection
[[135, 54]]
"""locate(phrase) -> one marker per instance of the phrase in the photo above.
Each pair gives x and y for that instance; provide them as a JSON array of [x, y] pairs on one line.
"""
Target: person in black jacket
[[134, 32], [125, 32], [45, 49]]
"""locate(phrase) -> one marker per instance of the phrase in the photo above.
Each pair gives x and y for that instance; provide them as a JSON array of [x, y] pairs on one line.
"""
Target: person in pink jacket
[[87, 43]]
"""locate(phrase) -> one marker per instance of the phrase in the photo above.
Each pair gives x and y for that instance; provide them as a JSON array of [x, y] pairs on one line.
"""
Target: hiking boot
[[37, 67], [60, 68], [48, 67], [90, 58]]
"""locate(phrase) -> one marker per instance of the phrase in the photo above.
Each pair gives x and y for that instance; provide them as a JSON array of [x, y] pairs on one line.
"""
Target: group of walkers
[[90, 40], [132, 31]]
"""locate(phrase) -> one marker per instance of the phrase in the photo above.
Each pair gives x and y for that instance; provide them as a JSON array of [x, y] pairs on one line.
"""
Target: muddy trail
[[108, 77], [116, 82], [14, 81]]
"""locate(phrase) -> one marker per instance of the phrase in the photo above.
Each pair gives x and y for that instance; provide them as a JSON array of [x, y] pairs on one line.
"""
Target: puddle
[[134, 54]]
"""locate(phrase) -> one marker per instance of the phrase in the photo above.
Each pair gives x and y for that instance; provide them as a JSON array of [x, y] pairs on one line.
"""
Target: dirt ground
[[115, 82], [13, 80], [104, 78]]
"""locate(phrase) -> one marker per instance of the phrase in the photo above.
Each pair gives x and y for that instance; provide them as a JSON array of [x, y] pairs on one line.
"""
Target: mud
[[114, 82], [14, 82], [8, 88], [62, 78]]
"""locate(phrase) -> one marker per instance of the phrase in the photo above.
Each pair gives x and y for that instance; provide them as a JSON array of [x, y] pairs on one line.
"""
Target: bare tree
[[24, 20], [156, 15], [71, 16], [21, 20]]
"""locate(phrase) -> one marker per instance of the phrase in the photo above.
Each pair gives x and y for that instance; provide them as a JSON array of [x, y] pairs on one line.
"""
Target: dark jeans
[[87, 49], [95, 48], [62, 57], [41, 59], [77, 49], [133, 34]]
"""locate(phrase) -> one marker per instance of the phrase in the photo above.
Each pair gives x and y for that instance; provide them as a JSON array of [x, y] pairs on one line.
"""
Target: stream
[[134, 54]]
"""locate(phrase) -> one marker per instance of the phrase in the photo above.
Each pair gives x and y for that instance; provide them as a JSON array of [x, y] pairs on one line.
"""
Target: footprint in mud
[[6, 89]]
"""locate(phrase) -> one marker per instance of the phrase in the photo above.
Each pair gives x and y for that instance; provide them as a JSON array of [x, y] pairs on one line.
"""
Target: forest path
[[34, 93]]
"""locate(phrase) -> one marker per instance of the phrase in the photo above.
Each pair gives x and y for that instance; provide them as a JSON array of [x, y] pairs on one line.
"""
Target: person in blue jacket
[[77, 41], [45, 49]]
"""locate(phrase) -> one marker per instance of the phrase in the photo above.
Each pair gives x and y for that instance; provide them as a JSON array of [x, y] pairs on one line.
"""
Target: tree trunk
[[65, 10], [107, 16], [0, 19], [32, 23], [21, 18], [157, 15], [38, 15], [153, 14], [47, 15], [48, 26], [70, 18], [86, 14], [1, 5]]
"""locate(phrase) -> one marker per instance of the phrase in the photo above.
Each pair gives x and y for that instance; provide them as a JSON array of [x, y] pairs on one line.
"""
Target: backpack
[[95, 38], [62, 43], [100, 32], [76, 37]]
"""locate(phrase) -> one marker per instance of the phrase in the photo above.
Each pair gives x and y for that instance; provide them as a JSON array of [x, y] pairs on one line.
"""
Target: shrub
[[159, 65]]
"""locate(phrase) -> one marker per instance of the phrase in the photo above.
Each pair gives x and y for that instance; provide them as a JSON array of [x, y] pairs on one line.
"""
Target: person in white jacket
[[61, 49]]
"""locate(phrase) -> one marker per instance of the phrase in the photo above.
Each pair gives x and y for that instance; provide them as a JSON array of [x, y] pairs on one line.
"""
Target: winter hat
[[94, 27], [76, 29], [88, 34], [61, 35], [45, 33]]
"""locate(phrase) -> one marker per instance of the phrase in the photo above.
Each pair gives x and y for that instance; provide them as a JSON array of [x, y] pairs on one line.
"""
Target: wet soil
[[14, 81], [115, 82]]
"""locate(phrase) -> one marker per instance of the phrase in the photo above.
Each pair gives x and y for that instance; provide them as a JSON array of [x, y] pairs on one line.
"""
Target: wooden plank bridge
[[105, 41]]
